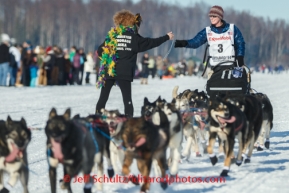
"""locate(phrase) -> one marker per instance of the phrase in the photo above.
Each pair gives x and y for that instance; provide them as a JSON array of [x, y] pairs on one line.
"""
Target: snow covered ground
[[267, 172]]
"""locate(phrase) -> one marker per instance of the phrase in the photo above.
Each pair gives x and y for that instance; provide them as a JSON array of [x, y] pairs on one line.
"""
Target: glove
[[181, 43], [240, 60]]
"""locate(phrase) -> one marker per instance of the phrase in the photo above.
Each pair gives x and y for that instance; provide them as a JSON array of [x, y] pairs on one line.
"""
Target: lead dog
[[77, 146]]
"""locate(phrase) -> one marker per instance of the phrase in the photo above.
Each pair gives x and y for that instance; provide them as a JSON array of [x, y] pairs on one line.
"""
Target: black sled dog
[[252, 108], [77, 145], [267, 123]]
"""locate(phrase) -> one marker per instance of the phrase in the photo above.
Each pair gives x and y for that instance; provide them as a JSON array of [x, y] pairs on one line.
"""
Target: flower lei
[[109, 55]]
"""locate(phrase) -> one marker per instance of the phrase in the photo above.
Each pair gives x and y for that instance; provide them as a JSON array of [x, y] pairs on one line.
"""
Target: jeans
[[13, 74], [160, 73], [4, 69], [33, 82], [76, 76], [87, 77]]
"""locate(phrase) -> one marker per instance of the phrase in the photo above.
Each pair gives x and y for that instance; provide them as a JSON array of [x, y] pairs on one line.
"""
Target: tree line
[[86, 23]]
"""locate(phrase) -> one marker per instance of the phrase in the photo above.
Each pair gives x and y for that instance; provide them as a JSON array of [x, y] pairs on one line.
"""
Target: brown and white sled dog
[[144, 142], [78, 146], [114, 120], [267, 123], [191, 133], [226, 121], [14, 138], [199, 105], [175, 125]]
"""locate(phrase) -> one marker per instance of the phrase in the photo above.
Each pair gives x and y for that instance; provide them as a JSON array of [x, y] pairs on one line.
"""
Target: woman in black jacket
[[118, 57]]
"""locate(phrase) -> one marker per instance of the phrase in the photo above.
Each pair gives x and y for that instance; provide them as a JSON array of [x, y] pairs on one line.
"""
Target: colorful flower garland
[[109, 55]]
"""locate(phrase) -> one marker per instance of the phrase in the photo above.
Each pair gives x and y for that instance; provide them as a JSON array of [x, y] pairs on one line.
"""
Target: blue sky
[[274, 9]]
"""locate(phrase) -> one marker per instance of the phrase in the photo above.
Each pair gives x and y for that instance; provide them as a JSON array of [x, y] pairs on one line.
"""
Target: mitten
[[181, 43], [240, 60]]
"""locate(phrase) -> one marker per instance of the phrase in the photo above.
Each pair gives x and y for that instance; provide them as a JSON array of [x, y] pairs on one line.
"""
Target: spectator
[[4, 59], [182, 67], [25, 46], [160, 66], [27, 62], [145, 73], [55, 68], [42, 79], [15, 57], [88, 66], [67, 68], [19, 71], [152, 67], [77, 60], [33, 72], [49, 61], [83, 55], [190, 65]]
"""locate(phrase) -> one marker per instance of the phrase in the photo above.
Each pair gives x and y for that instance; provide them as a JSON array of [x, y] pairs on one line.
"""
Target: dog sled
[[228, 79]]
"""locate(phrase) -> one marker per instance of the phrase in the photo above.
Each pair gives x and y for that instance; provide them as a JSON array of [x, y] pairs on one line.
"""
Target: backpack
[[76, 61]]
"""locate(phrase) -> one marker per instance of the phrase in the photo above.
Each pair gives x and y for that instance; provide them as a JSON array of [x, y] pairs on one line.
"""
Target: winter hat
[[37, 50], [216, 11], [5, 38], [13, 41], [48, 49]]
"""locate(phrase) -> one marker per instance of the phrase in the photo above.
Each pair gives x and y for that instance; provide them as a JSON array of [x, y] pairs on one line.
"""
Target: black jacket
[[4, 53], [129, 45]]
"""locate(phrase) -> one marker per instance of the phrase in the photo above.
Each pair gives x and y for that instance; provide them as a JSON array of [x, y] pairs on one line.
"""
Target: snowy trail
[[267, 172]]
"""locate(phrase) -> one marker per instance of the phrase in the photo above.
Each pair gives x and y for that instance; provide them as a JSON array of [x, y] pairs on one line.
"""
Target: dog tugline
[[118, 54]]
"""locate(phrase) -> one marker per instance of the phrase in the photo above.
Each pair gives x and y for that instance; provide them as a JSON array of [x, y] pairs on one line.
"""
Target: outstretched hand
[[171, 35]]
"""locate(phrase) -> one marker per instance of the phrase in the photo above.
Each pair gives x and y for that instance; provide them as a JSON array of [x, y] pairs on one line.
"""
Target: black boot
[[4, 190]]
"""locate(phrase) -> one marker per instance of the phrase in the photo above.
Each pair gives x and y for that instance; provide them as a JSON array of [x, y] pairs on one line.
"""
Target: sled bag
[[230, 80]]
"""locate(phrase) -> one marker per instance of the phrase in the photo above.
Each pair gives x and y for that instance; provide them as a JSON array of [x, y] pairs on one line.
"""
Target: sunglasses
[[213, 16]]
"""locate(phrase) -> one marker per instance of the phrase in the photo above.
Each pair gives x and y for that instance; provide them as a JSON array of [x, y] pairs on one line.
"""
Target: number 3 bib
[[221, 46]]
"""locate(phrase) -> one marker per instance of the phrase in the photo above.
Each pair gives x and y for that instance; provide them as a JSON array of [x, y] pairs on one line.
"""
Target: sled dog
[[14, 138], [78, 145]]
